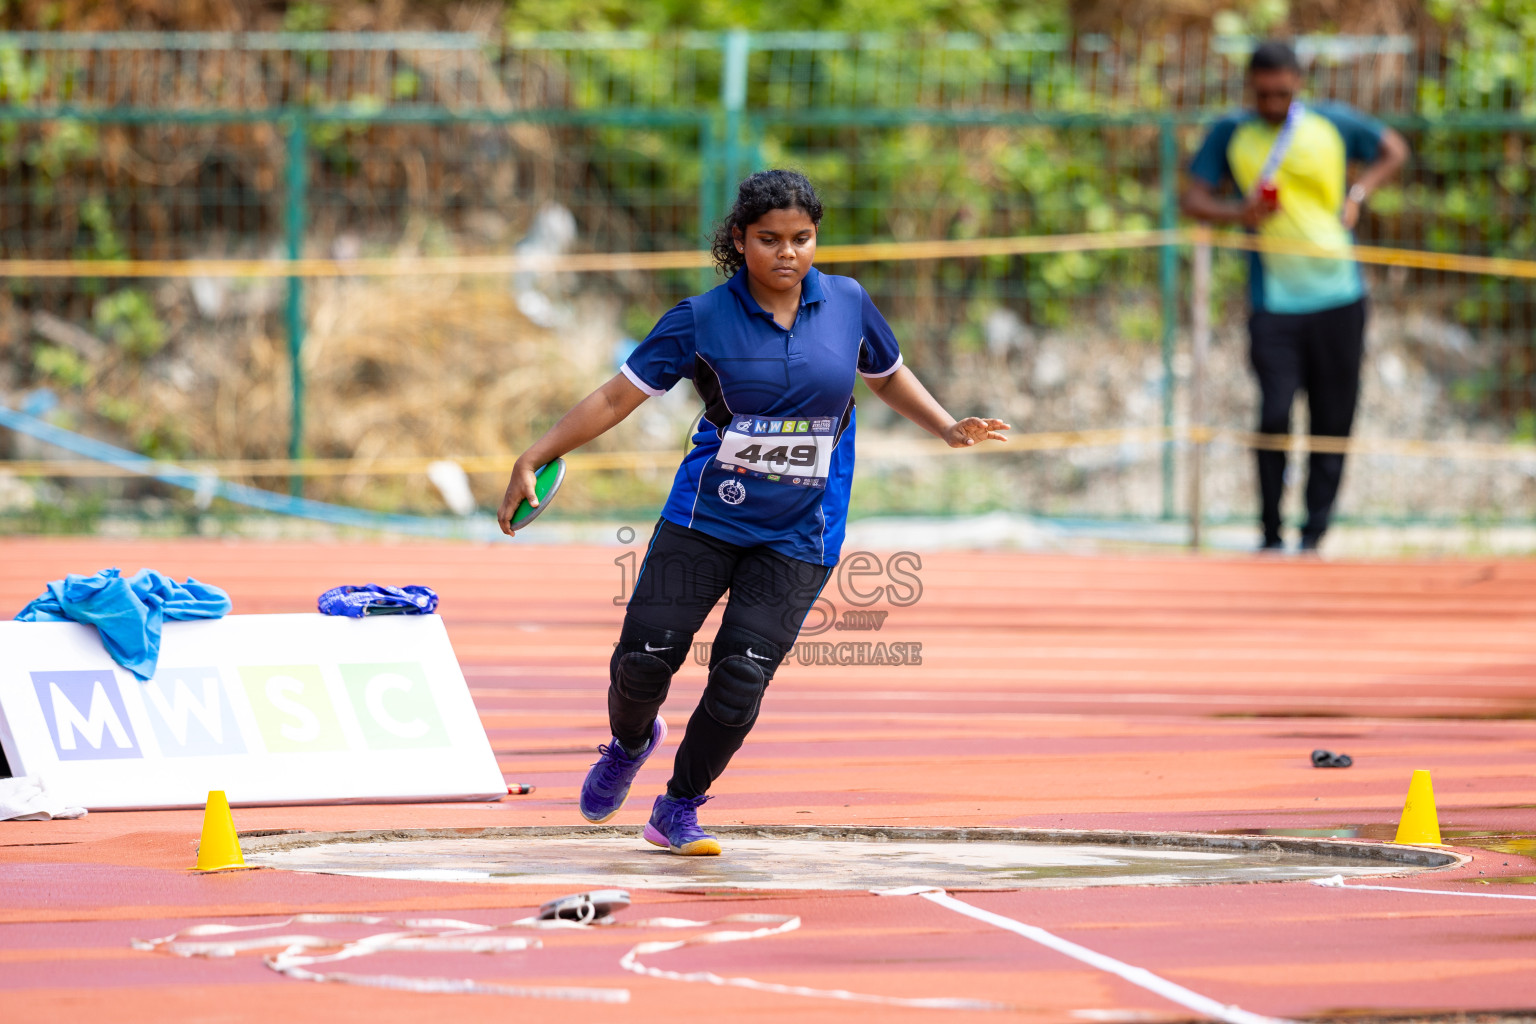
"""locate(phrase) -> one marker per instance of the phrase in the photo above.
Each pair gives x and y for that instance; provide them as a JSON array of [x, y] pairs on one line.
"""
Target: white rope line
[[1337, 882], [297, 953], [1138, 976], [777, 925], [423, 935]]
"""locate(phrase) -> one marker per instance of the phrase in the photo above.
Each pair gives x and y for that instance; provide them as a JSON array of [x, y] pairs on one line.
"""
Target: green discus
[[546, 482]]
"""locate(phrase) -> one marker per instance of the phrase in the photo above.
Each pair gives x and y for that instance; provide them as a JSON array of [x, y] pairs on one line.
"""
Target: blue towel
[[378, 599], [128, 613]]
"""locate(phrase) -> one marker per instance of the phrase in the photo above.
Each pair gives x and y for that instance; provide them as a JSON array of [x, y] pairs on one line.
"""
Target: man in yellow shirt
[[1288, 163]]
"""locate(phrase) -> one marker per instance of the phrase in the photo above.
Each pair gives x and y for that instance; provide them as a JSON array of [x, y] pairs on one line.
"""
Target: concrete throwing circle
[[845, 858]]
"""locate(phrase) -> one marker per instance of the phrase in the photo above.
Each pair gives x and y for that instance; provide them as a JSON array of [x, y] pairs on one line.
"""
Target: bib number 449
[[782, 455]]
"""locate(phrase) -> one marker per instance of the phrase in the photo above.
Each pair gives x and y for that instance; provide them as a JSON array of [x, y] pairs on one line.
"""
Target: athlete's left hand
[[968, 431], [1350, 215]]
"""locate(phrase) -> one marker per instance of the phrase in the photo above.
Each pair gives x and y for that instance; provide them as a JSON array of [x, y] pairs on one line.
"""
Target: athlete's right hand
[[519, 488], [1255, 211]]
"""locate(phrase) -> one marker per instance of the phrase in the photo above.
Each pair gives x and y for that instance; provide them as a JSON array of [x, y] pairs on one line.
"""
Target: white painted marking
[[1337, 882], [1138, 976]]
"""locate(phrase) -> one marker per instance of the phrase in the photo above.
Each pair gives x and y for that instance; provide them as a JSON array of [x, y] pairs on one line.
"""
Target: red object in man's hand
[[1269, 195]]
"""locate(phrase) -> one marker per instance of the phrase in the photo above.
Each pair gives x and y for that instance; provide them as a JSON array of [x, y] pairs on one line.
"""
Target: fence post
[[709, 192], [295, 220], [1168, 280], [1199, 346], [733, 98]]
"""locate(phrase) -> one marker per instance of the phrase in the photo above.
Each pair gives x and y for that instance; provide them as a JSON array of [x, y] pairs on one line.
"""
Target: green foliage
[[53, 147], [333, 141], [1139, 322], [1477, 389], [68, 514], [1482, 19], [1525, 427], [165, 440], [61, 366], [405, 85], [63, 142], [638, 321], [20, 80], [128, 317], [105, 243], [1256, 18], [121, 411], [307, 17]]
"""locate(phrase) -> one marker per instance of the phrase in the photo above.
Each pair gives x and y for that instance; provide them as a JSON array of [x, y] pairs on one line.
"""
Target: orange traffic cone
[[1419, 825], [220, 847]]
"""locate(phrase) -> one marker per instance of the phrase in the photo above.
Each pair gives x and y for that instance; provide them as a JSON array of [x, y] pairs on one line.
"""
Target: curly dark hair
[[758, 194]]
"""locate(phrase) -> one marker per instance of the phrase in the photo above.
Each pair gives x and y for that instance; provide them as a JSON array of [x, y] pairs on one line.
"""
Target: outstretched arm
[[903, 392], [591, 417]]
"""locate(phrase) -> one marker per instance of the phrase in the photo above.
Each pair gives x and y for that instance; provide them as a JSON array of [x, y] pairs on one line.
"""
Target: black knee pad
[[645, 659], [643, 678], [741, 664], [734, 691]]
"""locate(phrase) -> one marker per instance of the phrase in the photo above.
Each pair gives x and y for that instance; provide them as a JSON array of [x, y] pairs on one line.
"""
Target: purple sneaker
[[675, 825], [608, 782]]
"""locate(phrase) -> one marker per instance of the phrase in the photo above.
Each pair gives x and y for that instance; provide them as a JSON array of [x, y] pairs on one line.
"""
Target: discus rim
[[554, 473]]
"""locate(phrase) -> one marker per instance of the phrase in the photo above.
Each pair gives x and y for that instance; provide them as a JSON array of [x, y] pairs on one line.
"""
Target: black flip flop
[[1328, 759]]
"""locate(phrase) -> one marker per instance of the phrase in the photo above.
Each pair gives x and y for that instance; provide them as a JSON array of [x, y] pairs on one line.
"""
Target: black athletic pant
[[684, 575], [1320, 352]]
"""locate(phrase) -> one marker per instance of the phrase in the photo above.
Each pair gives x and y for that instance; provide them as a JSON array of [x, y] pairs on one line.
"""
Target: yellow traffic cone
[[1419, 826], [220, 848]]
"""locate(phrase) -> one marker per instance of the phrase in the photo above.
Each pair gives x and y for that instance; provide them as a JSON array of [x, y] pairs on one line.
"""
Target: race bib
[[795, 452]]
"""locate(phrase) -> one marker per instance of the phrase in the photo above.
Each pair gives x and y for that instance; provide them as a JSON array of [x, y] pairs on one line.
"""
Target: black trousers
[[684, 575], [1320, 352]]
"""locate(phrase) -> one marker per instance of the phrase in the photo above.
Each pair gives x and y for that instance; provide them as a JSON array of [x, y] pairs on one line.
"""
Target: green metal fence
[[196, 146]]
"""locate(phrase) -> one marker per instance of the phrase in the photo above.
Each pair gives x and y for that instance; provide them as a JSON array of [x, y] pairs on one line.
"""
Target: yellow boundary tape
[[516, 263], [575, 263], [876, 451]]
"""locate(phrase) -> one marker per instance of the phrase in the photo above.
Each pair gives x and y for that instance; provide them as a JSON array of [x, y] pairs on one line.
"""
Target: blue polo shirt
[[750, 372]]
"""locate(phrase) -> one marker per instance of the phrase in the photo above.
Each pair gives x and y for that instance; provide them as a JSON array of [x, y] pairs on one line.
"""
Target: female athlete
[[759, 503]]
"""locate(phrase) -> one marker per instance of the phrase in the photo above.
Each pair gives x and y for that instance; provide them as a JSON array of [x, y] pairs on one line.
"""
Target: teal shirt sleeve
[[1361, 132], [1210, 163]]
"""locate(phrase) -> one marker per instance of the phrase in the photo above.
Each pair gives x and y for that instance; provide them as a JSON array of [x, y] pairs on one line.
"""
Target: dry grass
[[436, 367]]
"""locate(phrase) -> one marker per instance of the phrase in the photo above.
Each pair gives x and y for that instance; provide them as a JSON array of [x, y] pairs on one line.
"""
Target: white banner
[[272, 709]]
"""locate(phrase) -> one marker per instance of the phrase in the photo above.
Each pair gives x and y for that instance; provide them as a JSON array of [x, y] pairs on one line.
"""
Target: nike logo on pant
[[759, 657], [653, 650]]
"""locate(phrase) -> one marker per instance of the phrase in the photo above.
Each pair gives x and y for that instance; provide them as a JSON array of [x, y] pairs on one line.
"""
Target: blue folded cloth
[[128, 613], [377, 599]]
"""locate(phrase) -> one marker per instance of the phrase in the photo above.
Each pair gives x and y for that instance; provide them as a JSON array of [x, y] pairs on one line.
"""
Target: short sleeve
[[1361, 132], [879, 354], [667, 353], [1210, 163]]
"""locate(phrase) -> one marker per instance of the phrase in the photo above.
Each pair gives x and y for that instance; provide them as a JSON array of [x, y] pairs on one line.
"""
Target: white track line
[[777, 925], [1139, 976], [1337, 882]]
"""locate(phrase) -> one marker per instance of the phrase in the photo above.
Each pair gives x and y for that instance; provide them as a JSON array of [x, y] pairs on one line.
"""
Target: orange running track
[[1163, 693]]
